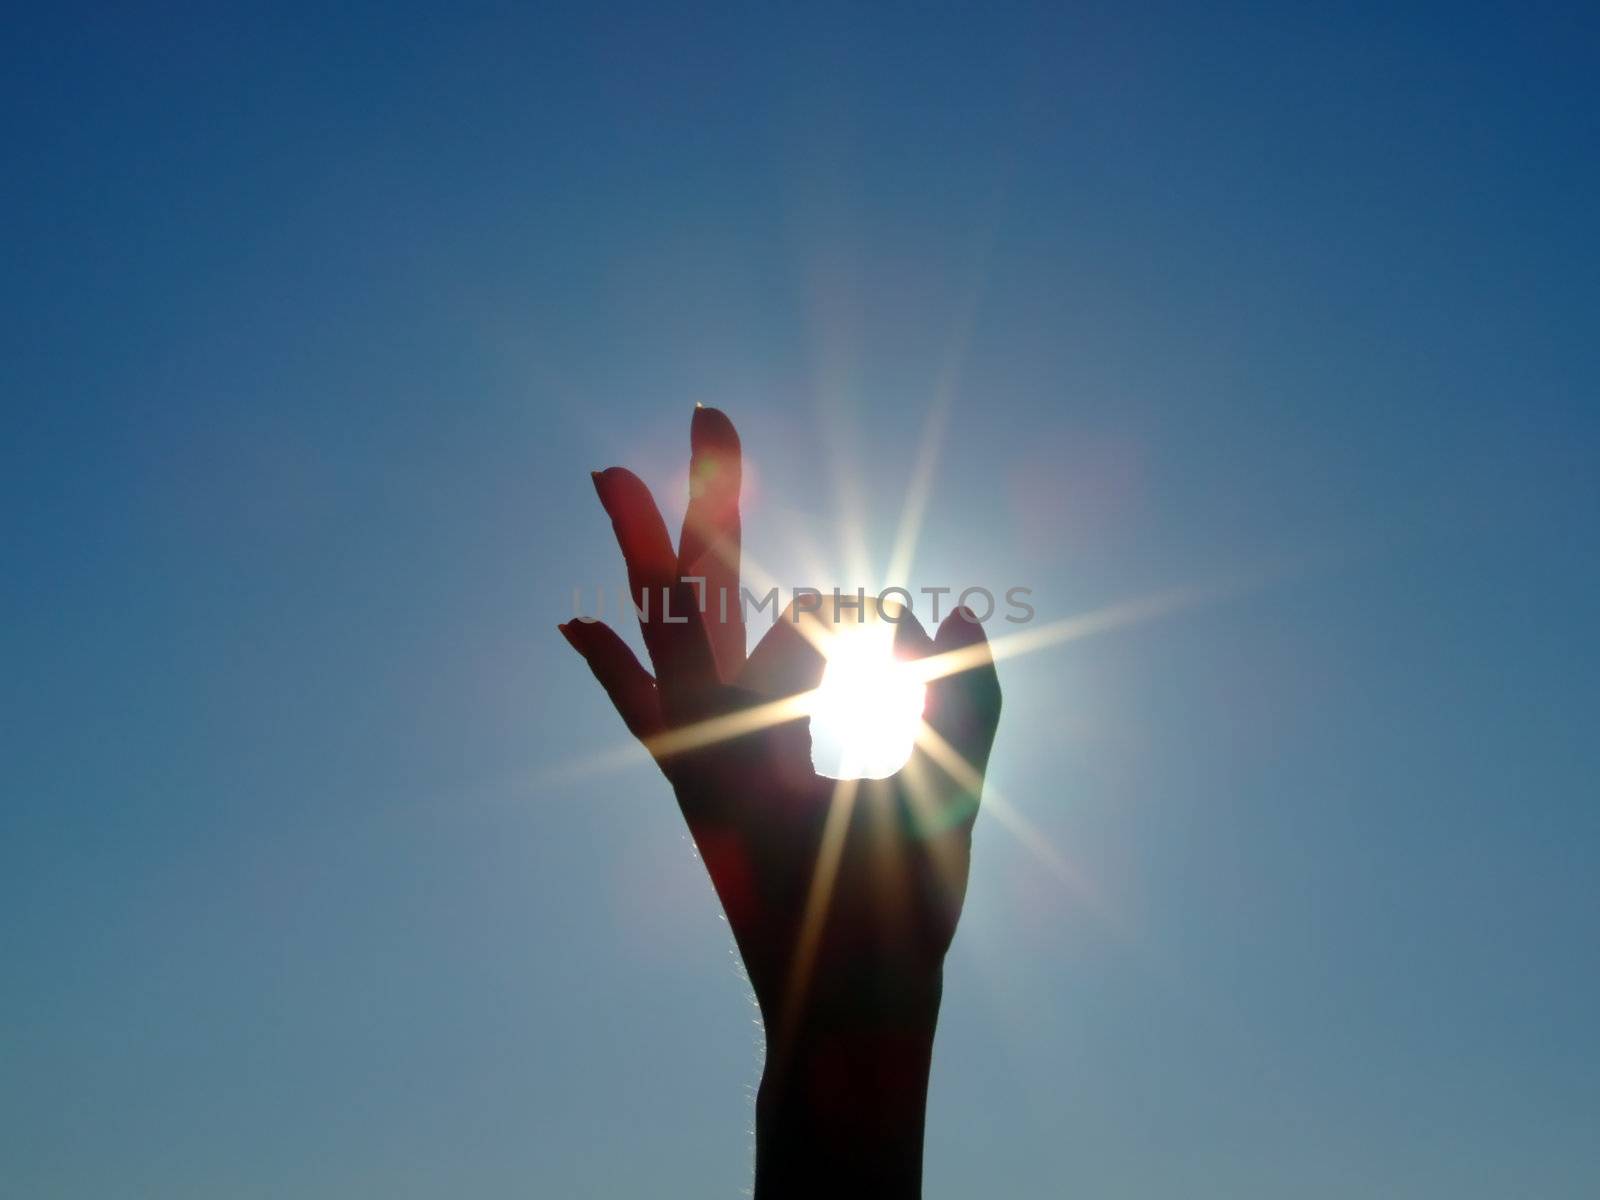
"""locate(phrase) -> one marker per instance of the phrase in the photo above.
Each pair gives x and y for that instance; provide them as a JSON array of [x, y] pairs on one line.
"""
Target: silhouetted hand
[[842, 896]]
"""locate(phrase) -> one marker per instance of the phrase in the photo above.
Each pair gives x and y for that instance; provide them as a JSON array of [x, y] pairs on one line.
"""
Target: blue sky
[[313, 326]]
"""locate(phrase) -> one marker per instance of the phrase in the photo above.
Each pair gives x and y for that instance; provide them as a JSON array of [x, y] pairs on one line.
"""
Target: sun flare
[[866, 713]]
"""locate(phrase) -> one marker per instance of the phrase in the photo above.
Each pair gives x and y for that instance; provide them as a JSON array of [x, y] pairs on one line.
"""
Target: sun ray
[[839, 433], [1101, 620], [919, 795], [819, 896], [918, 492], [1033, 839], [720, 729], [1028, 835], [950, 760], [804, 553], [946, 384]]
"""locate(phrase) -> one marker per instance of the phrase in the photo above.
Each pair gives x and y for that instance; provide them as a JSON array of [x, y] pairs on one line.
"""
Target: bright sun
[[868, 709]]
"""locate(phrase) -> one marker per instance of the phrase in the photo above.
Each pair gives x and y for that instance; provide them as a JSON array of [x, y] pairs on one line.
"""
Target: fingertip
[[911, 640], [710, 430], [621, 492], [616, 479], [570, 635], [960, 629]]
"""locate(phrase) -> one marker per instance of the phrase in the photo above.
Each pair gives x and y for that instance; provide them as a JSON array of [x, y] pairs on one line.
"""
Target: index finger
[[669, 616]]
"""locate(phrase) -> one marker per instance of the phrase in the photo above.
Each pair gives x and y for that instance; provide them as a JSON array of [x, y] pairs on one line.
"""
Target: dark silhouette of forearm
[[841, 1110]]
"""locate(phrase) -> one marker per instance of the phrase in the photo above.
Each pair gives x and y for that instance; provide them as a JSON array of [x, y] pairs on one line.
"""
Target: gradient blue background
[[315, 322]]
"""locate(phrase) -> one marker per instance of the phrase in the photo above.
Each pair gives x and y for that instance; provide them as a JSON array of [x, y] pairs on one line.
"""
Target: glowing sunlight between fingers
[[866, 713]]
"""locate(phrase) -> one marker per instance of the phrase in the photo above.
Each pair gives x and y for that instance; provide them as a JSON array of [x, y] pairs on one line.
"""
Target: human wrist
[[844, 1096]]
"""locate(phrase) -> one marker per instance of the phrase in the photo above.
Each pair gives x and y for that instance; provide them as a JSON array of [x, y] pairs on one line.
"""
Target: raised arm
[[842, 895]]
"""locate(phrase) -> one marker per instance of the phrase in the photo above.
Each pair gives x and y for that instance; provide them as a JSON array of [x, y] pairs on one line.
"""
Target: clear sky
[[314, 324]]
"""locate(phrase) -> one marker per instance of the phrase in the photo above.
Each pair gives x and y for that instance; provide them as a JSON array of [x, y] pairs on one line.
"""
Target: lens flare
[[866, 713]]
